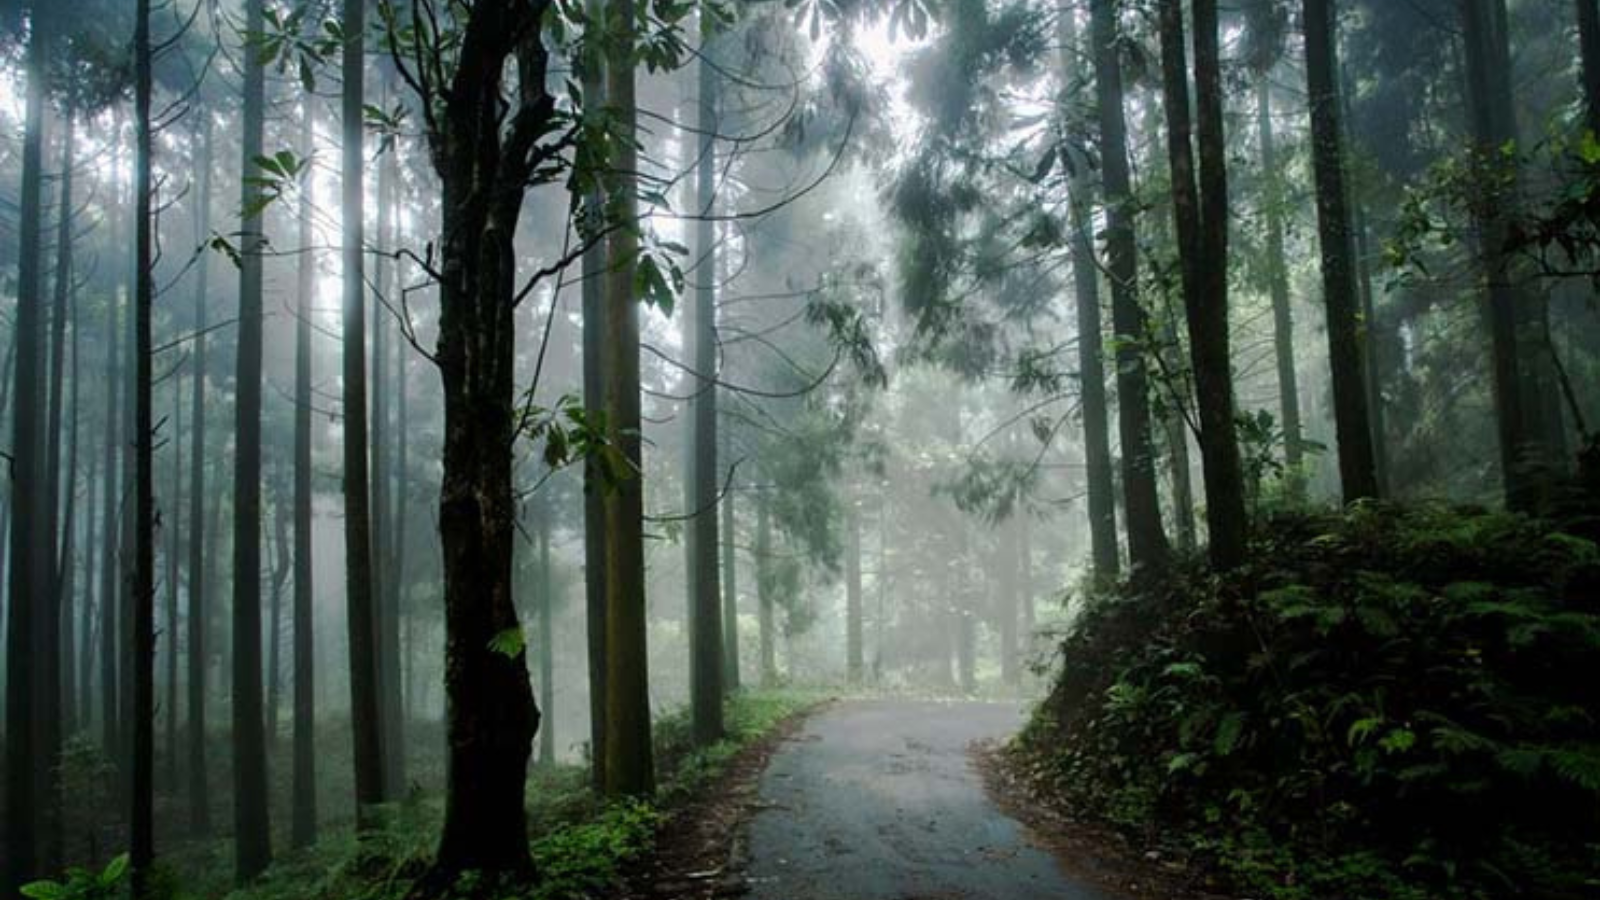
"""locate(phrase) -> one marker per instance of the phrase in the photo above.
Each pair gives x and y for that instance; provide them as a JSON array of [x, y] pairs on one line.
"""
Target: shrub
[[1384, 703]]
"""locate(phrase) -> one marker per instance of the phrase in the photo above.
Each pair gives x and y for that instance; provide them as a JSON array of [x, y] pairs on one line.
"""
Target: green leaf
[[1228, 732], [114, 870], [508, 643], [43, 890]]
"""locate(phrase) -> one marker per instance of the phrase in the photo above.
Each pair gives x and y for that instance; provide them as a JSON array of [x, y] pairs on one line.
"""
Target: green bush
[[1395, 703]]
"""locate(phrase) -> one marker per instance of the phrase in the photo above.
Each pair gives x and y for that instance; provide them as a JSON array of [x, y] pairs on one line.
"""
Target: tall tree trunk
[[1200, 208], [172, 525], [252, 834], [281, 564], [385, 588], [594, 531], [53, 723], [852, 595], [360, 598], [1147, 543], [700, 483], [1005, 578], [199, 585], [110, 526], [27, 764], [1509, 305], [66, 308], [1278, 287], [764, 599], [91, 562], [547, 642], [485, 167], [730, 596], [1357, 467], [141, 818], [1091, 349], [630, 765], [303, 793]]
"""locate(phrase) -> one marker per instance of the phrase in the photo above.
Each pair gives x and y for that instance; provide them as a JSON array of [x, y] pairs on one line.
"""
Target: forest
[[803, 450]]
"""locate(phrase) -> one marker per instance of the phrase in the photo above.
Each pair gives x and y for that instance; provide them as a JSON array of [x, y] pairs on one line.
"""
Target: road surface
[[878, 800]]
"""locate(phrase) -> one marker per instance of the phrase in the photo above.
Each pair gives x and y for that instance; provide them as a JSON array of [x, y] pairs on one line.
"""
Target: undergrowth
[[1384, 703], [581, 843]]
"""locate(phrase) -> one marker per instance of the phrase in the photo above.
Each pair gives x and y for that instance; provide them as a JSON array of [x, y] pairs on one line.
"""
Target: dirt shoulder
[[1085, 850], [701, 849]]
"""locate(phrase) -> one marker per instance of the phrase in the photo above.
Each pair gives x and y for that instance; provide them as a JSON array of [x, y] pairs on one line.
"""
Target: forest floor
[[867, 799]]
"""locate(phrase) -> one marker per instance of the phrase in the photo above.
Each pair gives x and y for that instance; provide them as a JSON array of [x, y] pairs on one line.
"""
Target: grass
[[581, 843]]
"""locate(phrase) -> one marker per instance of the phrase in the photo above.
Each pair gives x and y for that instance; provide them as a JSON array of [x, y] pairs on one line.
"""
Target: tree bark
[[141, 818], [485, 156], [1278, 287], [630, 765], [199, 585], [730, 597], [764, 599], [252, 833], [1357, 467], [26, 762], [1147, 543], [1509, 307], [360, 599], [547, 641], [1200, 208], [852, 594], [594, 533], [700, 483], [303, 793], [386, 590], [1104, 551]]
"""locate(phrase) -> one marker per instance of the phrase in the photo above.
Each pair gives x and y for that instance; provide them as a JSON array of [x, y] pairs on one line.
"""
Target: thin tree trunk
[[852, 594], [26, 762], [1101, 489], [65, 309], [303, 794], [630, 765], [172, 525], [360, 598], [110, 526], [385, 588], [730, 597], [1147, 543], [1278, 286], [52, 721], [594, 534], [281, 565], [700, 483], [252, 835], [1490, 116], [547, 642], [764, 599], [141, 818], [199, 584], [1200, 207], [1357, 468]]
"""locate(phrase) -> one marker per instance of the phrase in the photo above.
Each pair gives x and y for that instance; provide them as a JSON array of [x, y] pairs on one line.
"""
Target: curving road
[[878, 800]]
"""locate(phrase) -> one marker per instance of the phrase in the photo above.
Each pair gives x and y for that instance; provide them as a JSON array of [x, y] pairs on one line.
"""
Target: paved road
[[878, 800]]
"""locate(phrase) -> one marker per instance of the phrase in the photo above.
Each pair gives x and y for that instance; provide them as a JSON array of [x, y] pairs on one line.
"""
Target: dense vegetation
[[1390, 702], [398, 397]]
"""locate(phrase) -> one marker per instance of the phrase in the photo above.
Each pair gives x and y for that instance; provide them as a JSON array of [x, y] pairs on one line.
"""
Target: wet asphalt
[[879, 800]]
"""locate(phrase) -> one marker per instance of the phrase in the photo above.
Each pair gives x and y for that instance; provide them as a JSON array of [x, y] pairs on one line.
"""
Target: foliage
[[583, 845], [1384, 703], [82, 884]]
